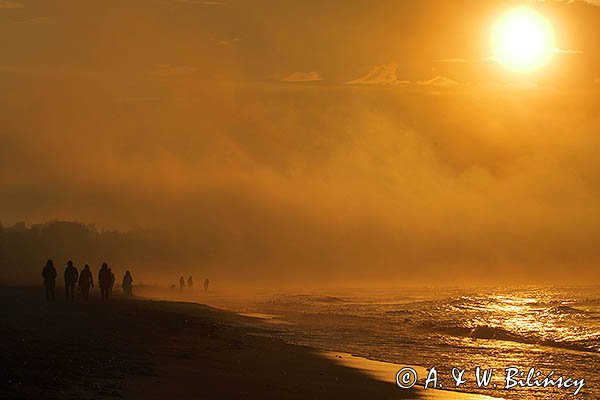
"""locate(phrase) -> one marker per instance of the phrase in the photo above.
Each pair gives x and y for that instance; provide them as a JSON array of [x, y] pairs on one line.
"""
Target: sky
[[337, 141]]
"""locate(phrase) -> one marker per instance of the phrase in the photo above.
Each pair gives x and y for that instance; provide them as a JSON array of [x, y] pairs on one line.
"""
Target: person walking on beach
[[181, 283], [70, 276], [112, 280], [190, 283], [85, 282], [49, 275], [127, 284], [104, 280], [206, 282]]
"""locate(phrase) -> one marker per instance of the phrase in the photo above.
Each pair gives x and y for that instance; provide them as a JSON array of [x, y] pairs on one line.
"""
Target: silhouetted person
[[86, 281], [127, 284], [112, 280], [49, 275], [190, 282], [104, 280], [206, 282], [71, 276], [181, 283]]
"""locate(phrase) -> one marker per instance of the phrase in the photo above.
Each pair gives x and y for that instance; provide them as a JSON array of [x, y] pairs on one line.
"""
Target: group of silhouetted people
[[190, 283], [106, 281]]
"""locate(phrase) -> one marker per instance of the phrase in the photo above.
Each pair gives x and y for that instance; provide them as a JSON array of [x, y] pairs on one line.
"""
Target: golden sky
[[353, 139]]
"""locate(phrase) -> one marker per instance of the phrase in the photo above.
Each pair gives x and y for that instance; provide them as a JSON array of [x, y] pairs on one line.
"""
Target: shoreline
[[382, 371], [386, 372]]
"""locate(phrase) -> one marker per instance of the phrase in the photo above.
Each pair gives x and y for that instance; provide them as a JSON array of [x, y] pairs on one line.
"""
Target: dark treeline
[[25, 249]]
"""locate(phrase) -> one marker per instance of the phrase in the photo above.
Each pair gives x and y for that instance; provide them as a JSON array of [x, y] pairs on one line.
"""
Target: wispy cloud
[[312, 76], [384, 74], [439, 81], [228, 42]]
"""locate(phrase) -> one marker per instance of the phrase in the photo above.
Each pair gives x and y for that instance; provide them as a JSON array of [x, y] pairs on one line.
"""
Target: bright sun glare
[[523, 40]]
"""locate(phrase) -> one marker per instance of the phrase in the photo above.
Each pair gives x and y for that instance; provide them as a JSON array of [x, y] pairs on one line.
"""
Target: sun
[[523, 40]]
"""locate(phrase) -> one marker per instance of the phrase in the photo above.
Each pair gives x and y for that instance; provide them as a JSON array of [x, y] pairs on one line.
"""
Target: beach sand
[[143, 349]]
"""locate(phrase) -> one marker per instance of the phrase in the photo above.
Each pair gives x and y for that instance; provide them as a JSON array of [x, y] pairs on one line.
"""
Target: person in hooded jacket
[[49, 275], [127, 284], [85, 282], [104, 281], [71, 275]]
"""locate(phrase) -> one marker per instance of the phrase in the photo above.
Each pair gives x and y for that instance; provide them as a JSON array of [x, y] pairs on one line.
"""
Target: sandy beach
[[142, 349]]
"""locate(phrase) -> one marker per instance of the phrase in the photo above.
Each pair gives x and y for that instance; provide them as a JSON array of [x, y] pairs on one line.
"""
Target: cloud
[[384, 74], [268, 180], [438, 81], [227, 43], [7, 4], [312, 76], [338, 177]]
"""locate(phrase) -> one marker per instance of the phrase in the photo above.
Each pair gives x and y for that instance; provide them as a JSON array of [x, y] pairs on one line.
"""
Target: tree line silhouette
[[24, 248]]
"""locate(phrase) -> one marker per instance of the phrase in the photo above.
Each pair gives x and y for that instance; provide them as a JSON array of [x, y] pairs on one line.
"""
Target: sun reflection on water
[[549, 329]]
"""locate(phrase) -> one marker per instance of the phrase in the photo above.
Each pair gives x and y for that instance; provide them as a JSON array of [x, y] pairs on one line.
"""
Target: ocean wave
[[307, 299], [487, 332], [399, 312], [567, 310]]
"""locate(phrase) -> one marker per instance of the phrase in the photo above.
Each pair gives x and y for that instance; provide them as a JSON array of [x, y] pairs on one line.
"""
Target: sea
[[555, 330]]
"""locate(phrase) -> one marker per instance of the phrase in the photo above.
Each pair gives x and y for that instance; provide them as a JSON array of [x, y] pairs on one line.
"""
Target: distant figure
[[190, 283], [85, 282], [206, 282], [104, 280], [112, 280], [49, 275], [127, 284], [71, 276], [181, 283]]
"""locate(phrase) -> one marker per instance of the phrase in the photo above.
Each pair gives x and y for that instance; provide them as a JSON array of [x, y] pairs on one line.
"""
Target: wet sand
[[143, 349], [386, 372]]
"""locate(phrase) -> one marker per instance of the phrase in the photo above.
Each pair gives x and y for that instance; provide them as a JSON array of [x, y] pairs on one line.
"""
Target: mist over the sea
[[261, 159]]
